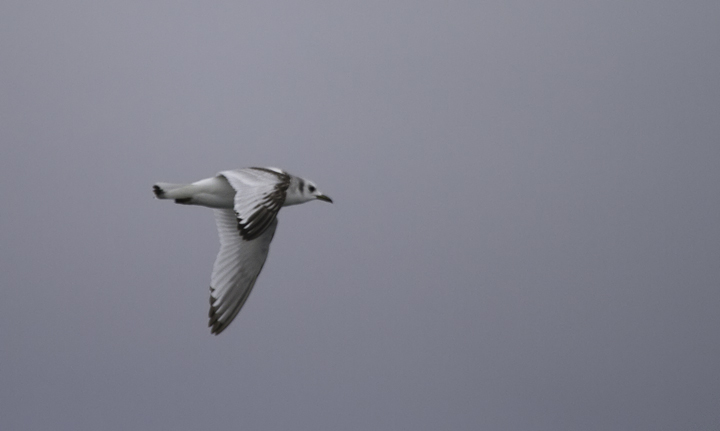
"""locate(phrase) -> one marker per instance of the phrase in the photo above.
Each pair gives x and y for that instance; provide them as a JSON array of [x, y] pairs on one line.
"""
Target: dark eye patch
[[312, 189]]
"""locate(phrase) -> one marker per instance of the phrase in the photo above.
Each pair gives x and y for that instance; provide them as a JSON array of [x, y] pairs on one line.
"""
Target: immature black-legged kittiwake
[[246, 202]]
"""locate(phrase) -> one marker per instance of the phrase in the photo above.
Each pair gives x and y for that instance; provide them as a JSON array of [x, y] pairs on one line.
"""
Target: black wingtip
[[216, 327]]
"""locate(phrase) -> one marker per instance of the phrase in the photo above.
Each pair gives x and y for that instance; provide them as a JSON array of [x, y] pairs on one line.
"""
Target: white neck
[[294, 195]]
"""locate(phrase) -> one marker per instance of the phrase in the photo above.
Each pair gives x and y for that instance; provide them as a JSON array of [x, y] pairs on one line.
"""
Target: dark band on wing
[[266, 211], [282, 176]]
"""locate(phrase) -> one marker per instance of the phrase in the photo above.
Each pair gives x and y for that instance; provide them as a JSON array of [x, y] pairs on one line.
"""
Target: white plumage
[[246, 203]]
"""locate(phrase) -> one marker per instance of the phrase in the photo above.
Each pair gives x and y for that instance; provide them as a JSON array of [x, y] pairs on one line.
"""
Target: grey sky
[[525, 235]]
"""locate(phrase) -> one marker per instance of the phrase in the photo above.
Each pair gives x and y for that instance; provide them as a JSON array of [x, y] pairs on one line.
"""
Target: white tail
[[213, 192], [171, 191]]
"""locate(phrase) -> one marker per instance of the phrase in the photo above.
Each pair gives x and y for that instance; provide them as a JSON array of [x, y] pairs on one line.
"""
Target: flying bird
[[246, 203]]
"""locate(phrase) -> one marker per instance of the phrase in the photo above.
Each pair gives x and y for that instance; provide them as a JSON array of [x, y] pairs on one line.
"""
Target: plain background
[[525, 235]]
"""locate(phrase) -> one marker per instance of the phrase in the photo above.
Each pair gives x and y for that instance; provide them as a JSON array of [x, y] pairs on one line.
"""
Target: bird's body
[[246, 202]]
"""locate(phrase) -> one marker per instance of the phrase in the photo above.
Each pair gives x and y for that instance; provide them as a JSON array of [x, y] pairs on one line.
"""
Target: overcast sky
[[525, 235]]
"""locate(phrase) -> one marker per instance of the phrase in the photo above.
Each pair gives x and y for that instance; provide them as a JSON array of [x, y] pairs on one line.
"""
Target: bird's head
[[312, 192]]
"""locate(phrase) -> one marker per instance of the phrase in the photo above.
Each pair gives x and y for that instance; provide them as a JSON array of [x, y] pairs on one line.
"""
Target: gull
[[246, 202]]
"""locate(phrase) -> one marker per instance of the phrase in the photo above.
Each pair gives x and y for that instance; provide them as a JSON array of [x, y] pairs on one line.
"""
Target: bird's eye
[[312, 189]]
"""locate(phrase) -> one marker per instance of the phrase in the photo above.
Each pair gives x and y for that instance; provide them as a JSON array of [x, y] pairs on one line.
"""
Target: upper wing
[[236, 268], [259, 195]]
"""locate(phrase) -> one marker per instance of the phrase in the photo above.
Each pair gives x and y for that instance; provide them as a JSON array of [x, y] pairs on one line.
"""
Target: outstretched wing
[[259, 195], [237, 266]]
